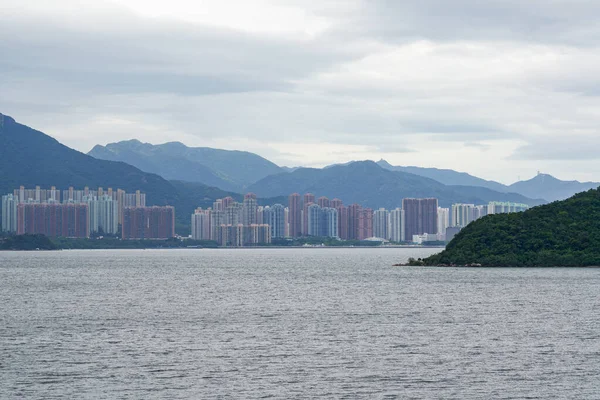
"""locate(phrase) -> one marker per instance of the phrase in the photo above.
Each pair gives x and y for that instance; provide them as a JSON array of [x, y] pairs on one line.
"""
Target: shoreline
[[234, 248]]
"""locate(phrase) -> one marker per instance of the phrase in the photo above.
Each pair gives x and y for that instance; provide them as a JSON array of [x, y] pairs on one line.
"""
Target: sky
[[499, 89]]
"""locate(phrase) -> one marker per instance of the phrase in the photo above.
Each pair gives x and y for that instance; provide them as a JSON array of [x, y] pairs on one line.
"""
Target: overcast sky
[[499, 89]]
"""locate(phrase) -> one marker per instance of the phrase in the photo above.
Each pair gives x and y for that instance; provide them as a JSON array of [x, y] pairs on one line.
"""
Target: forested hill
[[563, 233]]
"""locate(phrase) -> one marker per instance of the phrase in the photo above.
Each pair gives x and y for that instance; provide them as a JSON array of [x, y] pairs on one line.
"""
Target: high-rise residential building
[[322, 221], [381, 224], [231, 235], [329, 222], [53, 219], [479, 212], [218, 205], [240, 235], [308, 198], [256, 234], [104, 213], [313, 218], [201, 224], [323, 202], [37, 195], [462, 215], [217, 219], [78, 196], [305, 213], [365, 224], [9, 213], [136, 199], [397, 225], [276, 221], [287, 222], [148, 223], [261, 215], [227, 201], [443, 220], [342, 222], [354, 212], [420, 216], [499, 207], [250, 209], [234, 213], [295, 215], [336, 203]]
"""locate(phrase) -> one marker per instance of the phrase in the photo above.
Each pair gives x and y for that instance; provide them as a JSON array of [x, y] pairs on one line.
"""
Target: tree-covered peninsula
[[563, 233], [27, 242]]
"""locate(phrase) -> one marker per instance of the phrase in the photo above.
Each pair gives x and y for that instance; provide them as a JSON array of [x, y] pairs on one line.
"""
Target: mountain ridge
[[552, 188], [230, 170], [368, 184]]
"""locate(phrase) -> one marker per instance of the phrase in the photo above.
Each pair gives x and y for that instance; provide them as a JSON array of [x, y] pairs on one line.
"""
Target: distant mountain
[[368, 184], [448, 177], [225, 169], [29, 157], [542, 186], [550, 188]]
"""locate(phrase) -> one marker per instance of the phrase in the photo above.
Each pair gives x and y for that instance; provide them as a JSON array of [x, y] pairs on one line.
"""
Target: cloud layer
[[499, 89]]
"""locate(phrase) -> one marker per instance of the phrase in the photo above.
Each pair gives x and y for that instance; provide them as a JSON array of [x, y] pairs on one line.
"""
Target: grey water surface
[[292, 323]]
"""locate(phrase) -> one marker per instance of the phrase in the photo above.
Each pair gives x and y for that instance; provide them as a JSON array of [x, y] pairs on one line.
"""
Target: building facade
[[53, 219], [148, 223], [420, 216]]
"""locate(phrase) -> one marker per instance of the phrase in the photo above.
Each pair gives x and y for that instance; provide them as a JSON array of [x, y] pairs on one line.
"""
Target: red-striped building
[[148, 223], [53, 219]]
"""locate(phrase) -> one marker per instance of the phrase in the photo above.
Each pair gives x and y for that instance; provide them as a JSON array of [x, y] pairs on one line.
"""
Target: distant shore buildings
[[148, 223], [73, 213], [84, 213], [418, 221]]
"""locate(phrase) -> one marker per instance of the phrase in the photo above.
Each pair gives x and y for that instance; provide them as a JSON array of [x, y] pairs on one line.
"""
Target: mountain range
[[368, 184], [542, 186], [225, 169]]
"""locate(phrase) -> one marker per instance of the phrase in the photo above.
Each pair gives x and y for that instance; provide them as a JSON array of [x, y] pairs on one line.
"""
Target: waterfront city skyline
[[82, 213]]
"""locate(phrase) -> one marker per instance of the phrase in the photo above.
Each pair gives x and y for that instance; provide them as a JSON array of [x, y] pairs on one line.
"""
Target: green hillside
[[563, 233]]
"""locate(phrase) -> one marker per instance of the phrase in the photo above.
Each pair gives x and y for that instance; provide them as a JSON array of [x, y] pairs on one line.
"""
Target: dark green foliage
[[26, 242], [113, 243], [565, 233], [369, 185]]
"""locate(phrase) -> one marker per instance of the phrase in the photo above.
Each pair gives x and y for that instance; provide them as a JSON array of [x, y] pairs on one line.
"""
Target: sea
[[292, 323]]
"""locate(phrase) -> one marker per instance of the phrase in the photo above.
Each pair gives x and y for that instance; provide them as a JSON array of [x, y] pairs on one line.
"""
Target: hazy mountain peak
[[551, 188], [225, 169]]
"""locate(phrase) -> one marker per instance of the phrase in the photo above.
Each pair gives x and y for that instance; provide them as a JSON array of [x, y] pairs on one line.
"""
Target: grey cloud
[[157, 56], [572, 22], [560, 149], [162, 80]]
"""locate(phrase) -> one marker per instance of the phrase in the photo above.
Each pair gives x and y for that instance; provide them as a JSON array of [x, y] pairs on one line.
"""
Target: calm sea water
[[331, 323]]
